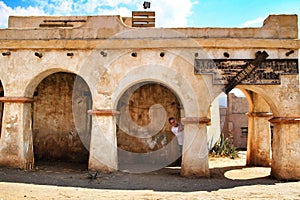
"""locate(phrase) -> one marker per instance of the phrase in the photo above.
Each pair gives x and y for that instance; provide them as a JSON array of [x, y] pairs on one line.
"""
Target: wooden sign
[[264, 73], [241, 75]]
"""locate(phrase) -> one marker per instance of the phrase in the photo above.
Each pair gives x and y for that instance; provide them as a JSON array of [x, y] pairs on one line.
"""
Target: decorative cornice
[[16, 99], [103, 112], [285, 120], [195, 120], [154, 42]]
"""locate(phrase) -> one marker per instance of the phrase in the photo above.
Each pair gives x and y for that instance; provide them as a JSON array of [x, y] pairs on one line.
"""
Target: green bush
[[223, 148]]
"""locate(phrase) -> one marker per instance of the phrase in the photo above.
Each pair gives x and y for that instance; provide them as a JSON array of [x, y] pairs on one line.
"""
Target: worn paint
[[109, 77]]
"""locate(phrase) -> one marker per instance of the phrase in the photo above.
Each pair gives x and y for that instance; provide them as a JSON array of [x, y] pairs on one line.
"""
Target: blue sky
[[169, 13]]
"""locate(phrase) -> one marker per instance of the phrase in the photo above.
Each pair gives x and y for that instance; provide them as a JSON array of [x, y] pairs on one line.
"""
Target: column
[[103, 145], [16, 144], [259, 139], [286, 148], [259, 132], [195, 150]]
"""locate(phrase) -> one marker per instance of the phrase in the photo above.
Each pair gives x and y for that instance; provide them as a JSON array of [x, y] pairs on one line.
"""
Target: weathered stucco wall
[[111, 57]]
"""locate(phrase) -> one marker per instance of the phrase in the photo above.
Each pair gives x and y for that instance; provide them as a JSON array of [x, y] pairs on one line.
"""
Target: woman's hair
[[171, 118]]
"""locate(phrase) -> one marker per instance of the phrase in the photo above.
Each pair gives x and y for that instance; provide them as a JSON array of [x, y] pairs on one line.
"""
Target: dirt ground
[[230, 179]]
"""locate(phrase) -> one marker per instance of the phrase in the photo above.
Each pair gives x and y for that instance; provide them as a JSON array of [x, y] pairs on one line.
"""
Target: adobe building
[[234, 121], [100, 89]]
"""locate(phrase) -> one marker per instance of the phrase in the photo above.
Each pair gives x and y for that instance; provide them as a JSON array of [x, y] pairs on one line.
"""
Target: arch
[[35, 81], [235, 120], [57, 135], [143, 131], [259, 137], [168, 77], [260, 91], [182, 85]]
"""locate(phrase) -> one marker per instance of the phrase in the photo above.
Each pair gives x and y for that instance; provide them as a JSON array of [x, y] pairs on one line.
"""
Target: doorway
[[61, 124], [144, 138]]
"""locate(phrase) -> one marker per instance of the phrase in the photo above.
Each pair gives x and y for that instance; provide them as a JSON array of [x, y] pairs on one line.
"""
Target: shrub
[[223, 148]]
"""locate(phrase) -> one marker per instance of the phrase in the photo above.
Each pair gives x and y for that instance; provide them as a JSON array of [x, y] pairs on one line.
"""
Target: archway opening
[[60, 101], [244, 116], [234, 121], [144, 138]]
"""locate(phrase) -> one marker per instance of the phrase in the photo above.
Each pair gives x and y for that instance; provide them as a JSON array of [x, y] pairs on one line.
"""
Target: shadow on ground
[[166, 179]]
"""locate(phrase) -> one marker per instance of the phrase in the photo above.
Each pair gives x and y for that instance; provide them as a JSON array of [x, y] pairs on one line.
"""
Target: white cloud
[[258, 22], [65, 7], [169, 13], [122, 11], [116, 3], [90, 6], [6, 11], [237, 92]]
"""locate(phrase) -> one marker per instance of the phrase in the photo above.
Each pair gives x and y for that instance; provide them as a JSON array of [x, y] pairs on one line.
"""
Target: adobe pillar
[[16, 144], [195, 150], [259, 133], [103, 145], [286, 148], [259, 139]]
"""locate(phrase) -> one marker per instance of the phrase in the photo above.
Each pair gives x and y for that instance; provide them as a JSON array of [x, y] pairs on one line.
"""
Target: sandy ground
[[230, 179]]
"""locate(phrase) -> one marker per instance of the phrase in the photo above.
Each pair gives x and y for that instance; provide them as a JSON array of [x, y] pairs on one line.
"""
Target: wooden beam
[[143, 13], [143, 19]]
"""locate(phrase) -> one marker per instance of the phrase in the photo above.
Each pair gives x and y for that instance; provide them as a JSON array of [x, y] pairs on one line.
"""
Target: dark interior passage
[[61, 125]]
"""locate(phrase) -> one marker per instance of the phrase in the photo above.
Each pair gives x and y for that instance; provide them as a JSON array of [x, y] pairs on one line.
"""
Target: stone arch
[[181, 86], [155, 73], [35, 81], [261, 92], [259, 143], [57, 135], [145, 142]]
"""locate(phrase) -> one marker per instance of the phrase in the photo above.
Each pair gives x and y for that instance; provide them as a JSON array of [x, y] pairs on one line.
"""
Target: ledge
[[285, 120], [195, 120], [16, 99], [103, 112], [259, 114], [128, 43]]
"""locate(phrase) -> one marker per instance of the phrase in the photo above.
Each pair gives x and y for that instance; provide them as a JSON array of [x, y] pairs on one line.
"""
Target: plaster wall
[[111, 57]]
